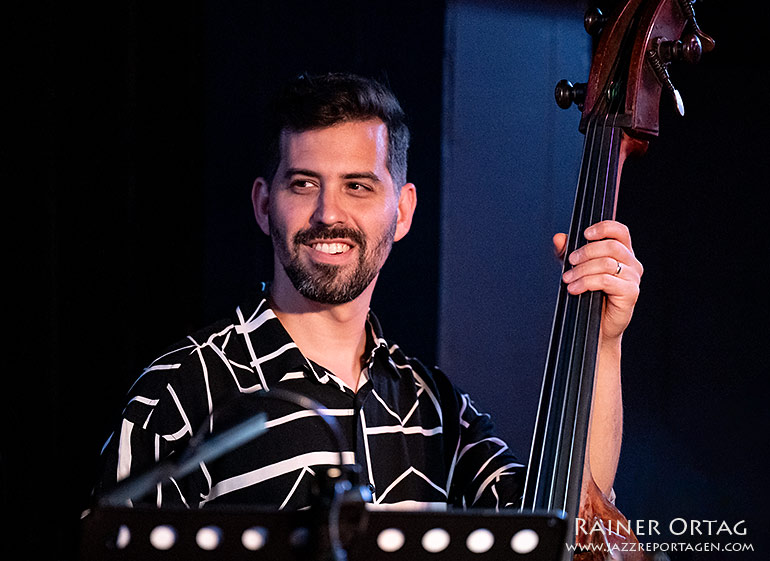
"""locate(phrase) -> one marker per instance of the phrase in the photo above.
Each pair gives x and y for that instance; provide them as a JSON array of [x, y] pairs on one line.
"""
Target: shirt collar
[[376, 345], [274, 355]]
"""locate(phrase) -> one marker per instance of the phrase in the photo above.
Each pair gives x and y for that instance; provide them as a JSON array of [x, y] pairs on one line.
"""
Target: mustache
[[321, 232]]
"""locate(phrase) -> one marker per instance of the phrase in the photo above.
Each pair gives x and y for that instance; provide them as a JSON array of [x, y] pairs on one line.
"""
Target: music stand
[[234, 533]]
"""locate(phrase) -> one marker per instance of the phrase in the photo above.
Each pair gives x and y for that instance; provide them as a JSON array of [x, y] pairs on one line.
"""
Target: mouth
[[334, 248]]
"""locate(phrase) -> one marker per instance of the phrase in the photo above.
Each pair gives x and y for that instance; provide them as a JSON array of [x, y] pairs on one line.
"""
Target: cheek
[[278, 231], [294, 211], [278, 217], [381, 215], [382, 230]]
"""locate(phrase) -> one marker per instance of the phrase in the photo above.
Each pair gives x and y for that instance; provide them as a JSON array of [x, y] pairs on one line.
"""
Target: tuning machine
[[662, 52], [688, 49], [707, 42], [660, 68], [567, 93], [594, 21]]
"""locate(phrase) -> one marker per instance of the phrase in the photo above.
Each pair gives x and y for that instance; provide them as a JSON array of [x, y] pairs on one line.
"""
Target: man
[[333, 201]]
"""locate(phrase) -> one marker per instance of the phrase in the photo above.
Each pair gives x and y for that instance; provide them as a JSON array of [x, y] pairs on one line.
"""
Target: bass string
[[571, 316], [577, 226], [602, 203], [544, 418], [557, 380]]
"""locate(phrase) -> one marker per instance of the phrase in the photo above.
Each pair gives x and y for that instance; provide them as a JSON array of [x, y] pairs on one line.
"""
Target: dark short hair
[[312, 102]]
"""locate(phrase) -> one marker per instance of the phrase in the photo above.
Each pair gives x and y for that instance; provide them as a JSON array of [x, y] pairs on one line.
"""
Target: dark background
[[132, 139]]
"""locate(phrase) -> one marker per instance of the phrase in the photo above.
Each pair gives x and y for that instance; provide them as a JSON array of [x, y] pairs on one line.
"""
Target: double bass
[[620, 106]]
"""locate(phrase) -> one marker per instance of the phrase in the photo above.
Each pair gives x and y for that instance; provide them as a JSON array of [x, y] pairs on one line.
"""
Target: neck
[[332, 335]]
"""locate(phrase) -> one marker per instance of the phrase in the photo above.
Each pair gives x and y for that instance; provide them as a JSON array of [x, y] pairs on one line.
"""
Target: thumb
[[559, 245]]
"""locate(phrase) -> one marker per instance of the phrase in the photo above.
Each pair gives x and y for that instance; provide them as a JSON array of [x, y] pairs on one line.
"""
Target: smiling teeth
[[331, 248]]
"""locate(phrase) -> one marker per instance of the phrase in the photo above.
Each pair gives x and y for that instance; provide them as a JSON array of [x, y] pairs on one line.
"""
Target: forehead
[[362, 145]]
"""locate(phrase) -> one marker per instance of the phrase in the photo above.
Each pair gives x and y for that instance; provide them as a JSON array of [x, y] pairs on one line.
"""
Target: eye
[[359, 188], [301, 185]]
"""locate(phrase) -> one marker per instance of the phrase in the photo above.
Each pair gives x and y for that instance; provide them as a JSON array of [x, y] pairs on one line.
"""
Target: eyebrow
[[298, 171], [355, 175], [363, 175]]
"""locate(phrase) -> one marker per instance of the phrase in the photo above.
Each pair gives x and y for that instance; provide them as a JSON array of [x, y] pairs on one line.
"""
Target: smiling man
[[333, 211], [334, 200]]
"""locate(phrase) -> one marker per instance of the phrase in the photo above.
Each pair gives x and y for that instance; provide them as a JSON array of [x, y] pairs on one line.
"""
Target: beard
[[326, 283]]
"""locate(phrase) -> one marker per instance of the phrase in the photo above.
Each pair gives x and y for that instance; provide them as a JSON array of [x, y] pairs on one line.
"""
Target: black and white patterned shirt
[[419, 441]]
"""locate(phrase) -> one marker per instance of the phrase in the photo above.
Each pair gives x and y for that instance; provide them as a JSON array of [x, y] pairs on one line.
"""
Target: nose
[[329, 208]]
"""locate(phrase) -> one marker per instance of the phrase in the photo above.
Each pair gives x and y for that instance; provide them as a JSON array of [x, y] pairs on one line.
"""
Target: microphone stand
[[198, 451]]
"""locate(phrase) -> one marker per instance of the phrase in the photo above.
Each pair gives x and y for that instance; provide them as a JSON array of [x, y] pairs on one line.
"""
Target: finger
[[600, 249], [601, 266], [609, 229], [615, 287], [559, 245]]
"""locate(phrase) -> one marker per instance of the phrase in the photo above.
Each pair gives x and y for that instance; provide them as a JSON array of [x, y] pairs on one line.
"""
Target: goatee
[[327, 283]]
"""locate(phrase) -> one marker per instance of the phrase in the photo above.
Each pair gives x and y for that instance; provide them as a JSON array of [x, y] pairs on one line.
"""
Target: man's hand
[[605, 263]]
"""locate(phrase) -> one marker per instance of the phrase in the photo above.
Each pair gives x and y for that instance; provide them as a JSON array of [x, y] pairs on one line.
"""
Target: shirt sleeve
[[154, 427], [486, 472], [483, 471]]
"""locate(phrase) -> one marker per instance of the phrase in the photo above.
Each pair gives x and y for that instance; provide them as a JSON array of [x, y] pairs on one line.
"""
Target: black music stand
[[119, 533], [339, 525]]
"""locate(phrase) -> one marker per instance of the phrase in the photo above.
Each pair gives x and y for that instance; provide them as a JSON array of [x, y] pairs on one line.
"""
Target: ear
[[407, 201], [260, 200]]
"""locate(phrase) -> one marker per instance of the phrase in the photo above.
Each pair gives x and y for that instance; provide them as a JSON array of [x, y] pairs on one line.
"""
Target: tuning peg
[[567, 93], [594, 21], [689, 49], [707, 42], [660, 71]]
